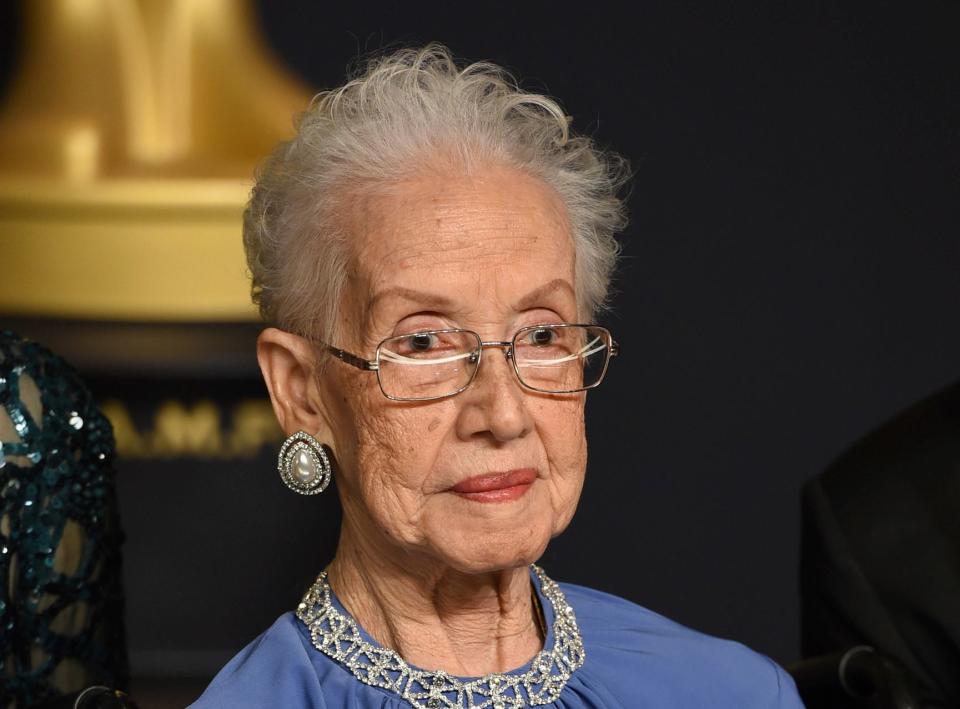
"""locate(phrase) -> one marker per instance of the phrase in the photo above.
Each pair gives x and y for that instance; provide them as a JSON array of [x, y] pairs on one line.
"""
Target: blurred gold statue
[[127, 145]]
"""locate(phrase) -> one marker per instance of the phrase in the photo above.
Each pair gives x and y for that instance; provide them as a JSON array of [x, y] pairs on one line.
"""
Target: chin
[[486, 552]]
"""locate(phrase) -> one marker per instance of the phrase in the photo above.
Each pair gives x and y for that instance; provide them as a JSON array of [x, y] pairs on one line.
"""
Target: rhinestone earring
[[304, 464]]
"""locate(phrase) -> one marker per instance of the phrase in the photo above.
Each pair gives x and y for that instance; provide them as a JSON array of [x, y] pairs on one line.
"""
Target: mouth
[[496, 487]]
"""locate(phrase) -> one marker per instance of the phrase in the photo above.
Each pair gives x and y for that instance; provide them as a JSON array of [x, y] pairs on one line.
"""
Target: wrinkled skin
[[492, 252]]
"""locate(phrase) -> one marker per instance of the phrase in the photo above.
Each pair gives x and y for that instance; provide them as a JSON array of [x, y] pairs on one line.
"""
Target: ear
[[288, 362]]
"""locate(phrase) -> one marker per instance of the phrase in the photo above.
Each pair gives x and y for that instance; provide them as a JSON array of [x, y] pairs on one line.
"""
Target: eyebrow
[[538, 294], [412, 294], [441, 302]]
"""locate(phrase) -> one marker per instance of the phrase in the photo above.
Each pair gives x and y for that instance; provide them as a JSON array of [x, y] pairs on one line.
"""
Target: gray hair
[[402, 110]]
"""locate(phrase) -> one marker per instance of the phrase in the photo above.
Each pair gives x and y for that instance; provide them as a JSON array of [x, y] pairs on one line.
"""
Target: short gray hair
[[403, 109]]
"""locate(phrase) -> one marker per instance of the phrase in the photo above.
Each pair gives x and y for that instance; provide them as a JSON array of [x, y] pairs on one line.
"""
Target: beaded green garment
[[61, 602]]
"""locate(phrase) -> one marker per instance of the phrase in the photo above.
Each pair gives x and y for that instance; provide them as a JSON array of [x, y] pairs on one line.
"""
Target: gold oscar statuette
[[128, 139]]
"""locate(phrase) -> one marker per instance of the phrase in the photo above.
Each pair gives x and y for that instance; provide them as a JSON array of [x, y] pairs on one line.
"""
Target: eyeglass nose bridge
[[477, 355], [505, 345]]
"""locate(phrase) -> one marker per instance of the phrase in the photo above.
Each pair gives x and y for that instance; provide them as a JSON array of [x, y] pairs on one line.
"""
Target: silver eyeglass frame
[[373, 365]]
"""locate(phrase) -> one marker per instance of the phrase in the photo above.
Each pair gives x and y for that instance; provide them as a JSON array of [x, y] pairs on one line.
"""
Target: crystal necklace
[[337, 636]]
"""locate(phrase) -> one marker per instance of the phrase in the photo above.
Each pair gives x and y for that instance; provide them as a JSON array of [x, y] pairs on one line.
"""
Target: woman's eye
[[543, 336], [422, 341]]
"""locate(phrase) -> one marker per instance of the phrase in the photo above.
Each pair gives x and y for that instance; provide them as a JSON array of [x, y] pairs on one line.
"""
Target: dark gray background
[[790, 280]]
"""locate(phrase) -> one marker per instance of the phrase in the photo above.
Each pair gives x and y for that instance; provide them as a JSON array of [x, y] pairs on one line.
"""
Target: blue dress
[[612, 655]]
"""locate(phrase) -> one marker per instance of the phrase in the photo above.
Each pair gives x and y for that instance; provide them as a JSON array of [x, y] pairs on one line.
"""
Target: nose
[[495, 404]]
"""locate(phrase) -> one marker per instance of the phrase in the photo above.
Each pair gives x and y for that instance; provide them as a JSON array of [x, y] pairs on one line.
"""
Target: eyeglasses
[[434, 364]]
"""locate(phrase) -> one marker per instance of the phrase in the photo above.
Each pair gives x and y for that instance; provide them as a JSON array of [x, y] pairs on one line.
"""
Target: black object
[[95, 697], [858, 678], [880, 562]]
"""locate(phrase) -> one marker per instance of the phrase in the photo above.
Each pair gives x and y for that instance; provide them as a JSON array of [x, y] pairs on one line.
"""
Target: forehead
[[485, 238]]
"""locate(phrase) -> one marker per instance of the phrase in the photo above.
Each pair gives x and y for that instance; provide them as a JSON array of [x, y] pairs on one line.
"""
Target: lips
[[496, 487]]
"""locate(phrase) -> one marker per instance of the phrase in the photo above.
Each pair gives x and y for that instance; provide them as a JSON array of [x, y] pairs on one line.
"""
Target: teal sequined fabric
[[61, 602]]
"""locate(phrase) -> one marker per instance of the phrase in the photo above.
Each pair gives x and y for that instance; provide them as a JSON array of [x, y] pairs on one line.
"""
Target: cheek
[[562, 430], [563, 434], [394, 452]]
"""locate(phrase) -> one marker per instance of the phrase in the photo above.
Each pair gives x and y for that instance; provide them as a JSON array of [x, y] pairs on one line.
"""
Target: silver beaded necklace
[[337, 636]]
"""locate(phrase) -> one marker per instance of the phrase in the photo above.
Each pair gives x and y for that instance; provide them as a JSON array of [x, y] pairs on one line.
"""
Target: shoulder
[[281, 669], [273, 670], [675, 665], [914, 452], [892, 493]]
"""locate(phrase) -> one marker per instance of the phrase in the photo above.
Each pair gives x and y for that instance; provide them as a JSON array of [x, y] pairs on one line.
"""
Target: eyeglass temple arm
[[352, 359], [614, 348]]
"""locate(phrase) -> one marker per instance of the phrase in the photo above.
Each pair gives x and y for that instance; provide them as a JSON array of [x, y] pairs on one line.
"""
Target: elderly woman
[[429, 246]]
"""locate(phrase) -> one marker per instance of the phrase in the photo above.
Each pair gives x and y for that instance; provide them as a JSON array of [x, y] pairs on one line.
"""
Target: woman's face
[[491, 252]]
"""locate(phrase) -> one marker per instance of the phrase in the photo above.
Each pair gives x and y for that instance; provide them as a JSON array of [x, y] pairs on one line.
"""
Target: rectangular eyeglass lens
[[561, 358], [427, 364]]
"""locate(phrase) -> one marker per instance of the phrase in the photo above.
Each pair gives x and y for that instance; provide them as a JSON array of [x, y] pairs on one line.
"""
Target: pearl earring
[[303, 464]]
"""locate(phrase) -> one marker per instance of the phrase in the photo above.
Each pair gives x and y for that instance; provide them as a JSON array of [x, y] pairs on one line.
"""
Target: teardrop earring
[[303, 464]]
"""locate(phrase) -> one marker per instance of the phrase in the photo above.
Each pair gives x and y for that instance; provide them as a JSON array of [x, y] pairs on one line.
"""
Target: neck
[[435, 617]]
